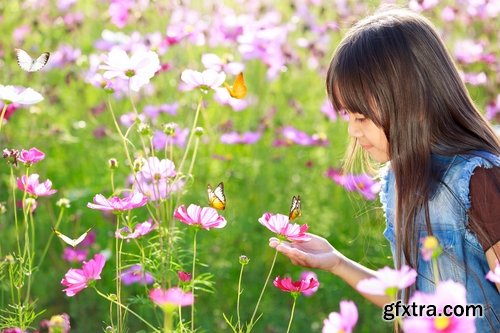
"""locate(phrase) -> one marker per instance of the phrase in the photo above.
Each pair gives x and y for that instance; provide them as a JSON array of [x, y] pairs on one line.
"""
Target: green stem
[[15, 210], [128, 310], [238, 298], [193, 158], [291, 315], [192, 276], [435, 269], [167, 322], [47, 245], [263, 289], [2, 115], [191, 133]]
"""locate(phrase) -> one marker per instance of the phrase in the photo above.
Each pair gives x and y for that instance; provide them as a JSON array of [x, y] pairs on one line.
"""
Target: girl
[[409, 110]]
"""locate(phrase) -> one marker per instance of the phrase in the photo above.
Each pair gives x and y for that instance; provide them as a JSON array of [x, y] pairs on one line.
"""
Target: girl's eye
[[360, 120]]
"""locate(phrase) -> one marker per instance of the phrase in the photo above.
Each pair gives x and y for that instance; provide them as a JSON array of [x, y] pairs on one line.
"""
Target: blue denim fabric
[[463, 259]]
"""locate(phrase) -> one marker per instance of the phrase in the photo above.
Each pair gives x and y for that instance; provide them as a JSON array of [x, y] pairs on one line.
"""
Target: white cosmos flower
[[25, 96], [138, 68], [208, 79]]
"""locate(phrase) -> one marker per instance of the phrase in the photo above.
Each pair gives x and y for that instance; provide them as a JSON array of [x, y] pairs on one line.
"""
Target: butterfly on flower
[[216, 197], [70, 241], [28, 64], [295, 210], [238, 89]]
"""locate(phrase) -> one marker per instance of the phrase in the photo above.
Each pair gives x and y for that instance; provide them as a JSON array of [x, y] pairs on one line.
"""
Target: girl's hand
[[315, 253]]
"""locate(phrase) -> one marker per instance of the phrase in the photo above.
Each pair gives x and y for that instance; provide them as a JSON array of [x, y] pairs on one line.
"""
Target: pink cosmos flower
[[362, 183], [119, 12], [448, 293], [116, 204], [179, 138], [388, 281], [136, 274], [213, 61], [32, 186], [280, 225], [140, 229], [295, 287], [56, 324], [206, 217], [206, 80], [343, 321], [25, 96], [430, 248], [171, 298], [307, 275], [138, 69], [154, 169], [78, 279], [223, 97], [494, 275], [31, 156]]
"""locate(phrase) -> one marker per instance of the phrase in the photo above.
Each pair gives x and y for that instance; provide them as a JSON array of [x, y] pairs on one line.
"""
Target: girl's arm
[[493, 256], [319, 253]]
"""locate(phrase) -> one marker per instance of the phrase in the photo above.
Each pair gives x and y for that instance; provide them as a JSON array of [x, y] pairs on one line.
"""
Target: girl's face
[[369, 136]]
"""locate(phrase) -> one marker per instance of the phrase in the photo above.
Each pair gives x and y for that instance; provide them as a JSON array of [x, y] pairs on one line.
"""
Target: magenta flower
[[116, 204], [71, 254], [307, 275], [140, 229], [296, 287], [31, 156], [138, 69], [448, 293], [362, 183], [154, 169], [78, 279], [184, 276], [281, 226], [32, 186], [179, 138], [343, 321], [289, 135], [170, 299], [119, 12], [243, 138], [494, 275], [135, 274], [206, 80], [206, 217], [388, 281]]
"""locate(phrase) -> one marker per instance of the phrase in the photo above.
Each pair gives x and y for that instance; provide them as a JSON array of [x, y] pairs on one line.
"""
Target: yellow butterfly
[[70, 241], [295, 208], [238, 89], [217, 198]]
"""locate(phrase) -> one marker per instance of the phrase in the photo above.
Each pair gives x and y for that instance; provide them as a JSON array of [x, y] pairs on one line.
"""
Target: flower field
[[117, 114]]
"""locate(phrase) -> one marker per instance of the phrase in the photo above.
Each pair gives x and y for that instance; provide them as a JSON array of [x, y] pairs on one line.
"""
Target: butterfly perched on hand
[[238, 89], [216, 197], [28, 64], [70, 241], [295, 210]]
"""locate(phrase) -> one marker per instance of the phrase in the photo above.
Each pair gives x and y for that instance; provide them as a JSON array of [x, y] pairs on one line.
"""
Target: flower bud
[[144, 129], [3, 209], [184, 276], [63, 202], [244, 260], [138, 164], [113, 163], [169, 129], [198, 131]]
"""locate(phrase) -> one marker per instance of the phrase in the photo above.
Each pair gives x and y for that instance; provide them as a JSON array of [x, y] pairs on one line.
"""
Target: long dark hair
[[393, 68]]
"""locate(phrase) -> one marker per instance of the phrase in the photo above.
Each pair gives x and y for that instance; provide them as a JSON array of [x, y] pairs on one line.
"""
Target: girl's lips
[[366, 147]]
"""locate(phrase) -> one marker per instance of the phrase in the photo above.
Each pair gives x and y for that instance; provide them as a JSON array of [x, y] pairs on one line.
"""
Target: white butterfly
[[70, 241], [29, 64]]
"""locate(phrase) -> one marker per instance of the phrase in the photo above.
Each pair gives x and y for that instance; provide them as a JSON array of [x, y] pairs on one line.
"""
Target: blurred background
[[293, 137]]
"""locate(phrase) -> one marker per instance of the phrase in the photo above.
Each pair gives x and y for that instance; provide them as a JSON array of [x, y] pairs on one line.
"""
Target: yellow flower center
[[430, 243], [441, 323]]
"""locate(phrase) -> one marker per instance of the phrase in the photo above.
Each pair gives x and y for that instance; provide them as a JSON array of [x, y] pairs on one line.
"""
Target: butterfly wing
[[27, 63], [295, 209], [40, 62], [238, 89], [70, 241], [216, 197]]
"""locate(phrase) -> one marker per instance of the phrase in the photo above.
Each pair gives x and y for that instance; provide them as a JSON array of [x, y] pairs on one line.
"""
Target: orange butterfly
[[295, 210], [216, 198], [238, 89]]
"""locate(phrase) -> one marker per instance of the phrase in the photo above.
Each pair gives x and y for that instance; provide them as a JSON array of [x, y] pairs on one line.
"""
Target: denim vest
[[463, 259]]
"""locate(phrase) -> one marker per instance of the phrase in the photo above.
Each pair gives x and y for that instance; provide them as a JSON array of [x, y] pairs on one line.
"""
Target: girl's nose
[[352, 129]]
